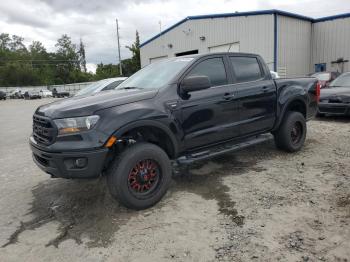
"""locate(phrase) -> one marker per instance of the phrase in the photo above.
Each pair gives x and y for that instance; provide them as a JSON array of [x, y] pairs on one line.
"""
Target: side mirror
[[195, 83]]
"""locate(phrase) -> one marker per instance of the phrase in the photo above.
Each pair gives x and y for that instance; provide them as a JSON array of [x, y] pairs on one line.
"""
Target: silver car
[[102, 85]]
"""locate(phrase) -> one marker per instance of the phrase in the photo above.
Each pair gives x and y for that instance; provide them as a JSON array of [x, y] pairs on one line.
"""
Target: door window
[[214, 68], [246, 69]]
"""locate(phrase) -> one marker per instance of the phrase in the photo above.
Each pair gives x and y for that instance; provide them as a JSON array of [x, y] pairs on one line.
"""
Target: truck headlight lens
[[75, 125]]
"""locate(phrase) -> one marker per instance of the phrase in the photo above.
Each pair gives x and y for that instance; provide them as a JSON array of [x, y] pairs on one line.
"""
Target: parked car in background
[[335, 100], [325, 78], [274, 75], [32, 95], [60, 92], [102, 85], [2, 95], [17, 94], [45, 93]]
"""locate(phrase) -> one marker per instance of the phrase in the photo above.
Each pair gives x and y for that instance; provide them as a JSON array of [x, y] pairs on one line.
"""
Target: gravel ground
[[258, 204]]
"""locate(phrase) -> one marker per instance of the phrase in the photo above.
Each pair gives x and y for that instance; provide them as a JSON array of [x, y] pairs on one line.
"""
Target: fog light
[[80, 162]]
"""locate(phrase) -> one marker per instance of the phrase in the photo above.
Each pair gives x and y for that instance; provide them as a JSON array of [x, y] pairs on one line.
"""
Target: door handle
[[265, 89], [229, 96], [172, 105]]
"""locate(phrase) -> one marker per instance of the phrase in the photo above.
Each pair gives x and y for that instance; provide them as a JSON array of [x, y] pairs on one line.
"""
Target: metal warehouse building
[[291, 44]]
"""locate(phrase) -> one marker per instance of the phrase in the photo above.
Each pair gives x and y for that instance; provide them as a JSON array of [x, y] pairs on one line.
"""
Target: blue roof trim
[[333, 17], [262, 12], [163, 32]]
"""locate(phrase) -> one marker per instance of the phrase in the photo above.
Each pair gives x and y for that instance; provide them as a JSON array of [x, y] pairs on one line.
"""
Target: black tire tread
[[118, 166], [282, 135]]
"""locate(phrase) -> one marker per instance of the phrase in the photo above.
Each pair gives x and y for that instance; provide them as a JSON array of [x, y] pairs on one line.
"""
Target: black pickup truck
[[175, 111]]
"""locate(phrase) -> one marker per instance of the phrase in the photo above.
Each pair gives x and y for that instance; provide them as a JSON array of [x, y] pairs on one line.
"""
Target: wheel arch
[[297, 104], [157, 133]]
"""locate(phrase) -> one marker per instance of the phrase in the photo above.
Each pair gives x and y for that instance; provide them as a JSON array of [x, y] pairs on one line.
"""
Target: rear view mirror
[[195, 83]]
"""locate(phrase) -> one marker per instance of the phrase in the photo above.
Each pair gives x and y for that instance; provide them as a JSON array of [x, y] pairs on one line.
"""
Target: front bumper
[[334, 108], [64, 164]]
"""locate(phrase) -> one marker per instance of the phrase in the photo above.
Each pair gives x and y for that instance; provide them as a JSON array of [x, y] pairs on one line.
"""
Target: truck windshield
[[157, 75]]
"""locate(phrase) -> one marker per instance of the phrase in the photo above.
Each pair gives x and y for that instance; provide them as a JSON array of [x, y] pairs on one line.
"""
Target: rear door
[[207, 115], [255, 92]]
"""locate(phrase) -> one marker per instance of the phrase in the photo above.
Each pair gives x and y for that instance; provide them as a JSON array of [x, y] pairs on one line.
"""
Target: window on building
[[320, 67], [246, 68], [214, 68]]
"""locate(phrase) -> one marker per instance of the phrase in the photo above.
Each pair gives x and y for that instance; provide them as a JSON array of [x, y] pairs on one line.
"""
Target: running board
[[223, 149]]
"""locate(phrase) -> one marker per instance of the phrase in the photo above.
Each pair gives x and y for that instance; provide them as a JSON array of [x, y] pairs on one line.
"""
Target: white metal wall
[[253, 34], [294, 46], [330, 41]]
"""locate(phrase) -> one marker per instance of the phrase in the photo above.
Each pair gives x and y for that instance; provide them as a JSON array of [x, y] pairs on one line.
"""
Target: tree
[[106, 71], [5, 41], [135, 63], [67, 59], [37, 48], [17, 44], [21, 66], [82, 58]]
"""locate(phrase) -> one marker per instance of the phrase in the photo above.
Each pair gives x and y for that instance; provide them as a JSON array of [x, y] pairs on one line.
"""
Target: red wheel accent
[[144, 176]]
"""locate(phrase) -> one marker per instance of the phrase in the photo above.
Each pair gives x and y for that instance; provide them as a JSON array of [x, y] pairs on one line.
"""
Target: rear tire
[[140, 176], [292, 132]]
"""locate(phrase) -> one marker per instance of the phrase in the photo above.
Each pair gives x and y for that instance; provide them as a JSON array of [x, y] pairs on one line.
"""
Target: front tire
[[140, 176], [292, 132]]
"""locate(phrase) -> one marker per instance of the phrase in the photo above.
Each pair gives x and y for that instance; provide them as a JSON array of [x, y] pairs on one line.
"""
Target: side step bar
[[225, 148]]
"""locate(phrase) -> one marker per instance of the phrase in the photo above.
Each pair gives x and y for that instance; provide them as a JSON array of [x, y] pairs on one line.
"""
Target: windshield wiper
[[130, 87]]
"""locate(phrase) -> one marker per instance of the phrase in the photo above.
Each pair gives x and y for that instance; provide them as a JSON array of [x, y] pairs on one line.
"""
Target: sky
[[94, 21]]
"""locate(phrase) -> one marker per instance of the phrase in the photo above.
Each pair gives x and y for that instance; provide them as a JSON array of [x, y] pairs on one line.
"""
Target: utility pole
[[120, 60]]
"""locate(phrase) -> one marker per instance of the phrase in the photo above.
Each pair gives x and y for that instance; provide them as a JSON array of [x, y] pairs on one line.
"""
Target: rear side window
[[246, 69], [213, 68]]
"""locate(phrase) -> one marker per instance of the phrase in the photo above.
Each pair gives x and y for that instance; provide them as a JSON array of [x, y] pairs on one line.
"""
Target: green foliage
[[133, 64], [106, 71], [130, 65], [33, 65], [82, 58], [22, 66]]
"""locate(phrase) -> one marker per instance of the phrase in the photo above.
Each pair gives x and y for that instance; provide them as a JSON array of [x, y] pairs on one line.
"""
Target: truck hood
[[87, 105], [335, 91]]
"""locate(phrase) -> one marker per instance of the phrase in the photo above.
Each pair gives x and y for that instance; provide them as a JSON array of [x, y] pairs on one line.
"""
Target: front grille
[[335, 100], [41, 160], [43, 130]]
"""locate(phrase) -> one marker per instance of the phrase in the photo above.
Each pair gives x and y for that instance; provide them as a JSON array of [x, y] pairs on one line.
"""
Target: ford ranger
[[176, 111]]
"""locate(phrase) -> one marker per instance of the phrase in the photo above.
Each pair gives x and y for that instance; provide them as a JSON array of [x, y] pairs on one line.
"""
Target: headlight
[[77, 124]]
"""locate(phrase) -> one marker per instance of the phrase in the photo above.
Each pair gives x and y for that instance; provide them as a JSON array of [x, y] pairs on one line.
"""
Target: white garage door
[[157, 59], [231, 47]]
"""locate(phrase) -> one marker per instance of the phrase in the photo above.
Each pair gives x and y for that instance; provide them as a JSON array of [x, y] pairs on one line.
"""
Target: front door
[[209, 115]]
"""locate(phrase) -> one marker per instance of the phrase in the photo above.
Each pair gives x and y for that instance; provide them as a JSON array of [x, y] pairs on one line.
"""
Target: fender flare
[[141, 123], [284, 109]]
